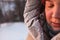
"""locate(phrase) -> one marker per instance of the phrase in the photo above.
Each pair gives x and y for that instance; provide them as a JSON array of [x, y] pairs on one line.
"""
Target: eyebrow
[[47, 0]]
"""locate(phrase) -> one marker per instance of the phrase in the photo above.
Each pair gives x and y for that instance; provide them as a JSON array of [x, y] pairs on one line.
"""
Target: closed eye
[[49, 4]]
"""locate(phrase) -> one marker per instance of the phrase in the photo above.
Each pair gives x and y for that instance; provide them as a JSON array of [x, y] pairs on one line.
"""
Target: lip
[[55, 24]]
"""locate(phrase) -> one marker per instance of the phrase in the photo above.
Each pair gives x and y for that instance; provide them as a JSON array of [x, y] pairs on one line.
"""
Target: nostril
[[56, 15]]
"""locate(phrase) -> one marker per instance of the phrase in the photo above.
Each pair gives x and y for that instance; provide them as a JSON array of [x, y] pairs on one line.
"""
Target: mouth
[[56, 24]]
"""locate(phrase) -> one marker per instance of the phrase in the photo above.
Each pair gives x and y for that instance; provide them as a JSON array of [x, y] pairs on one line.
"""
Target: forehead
[[55, 1]]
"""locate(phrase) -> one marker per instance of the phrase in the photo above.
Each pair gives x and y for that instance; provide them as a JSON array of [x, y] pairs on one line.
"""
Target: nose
[[56, 12]]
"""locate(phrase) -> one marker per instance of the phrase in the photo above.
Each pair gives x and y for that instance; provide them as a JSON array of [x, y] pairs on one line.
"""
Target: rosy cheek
[[47, 11], [48, 15]]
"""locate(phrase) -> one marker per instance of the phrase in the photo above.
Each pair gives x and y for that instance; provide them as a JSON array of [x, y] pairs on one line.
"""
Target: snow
[[13, 31]]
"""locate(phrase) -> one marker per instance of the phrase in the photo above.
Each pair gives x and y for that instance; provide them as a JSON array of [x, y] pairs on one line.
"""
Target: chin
[[56, 28]]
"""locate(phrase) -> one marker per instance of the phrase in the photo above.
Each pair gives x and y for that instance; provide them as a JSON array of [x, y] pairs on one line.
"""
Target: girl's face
[[52, 11]]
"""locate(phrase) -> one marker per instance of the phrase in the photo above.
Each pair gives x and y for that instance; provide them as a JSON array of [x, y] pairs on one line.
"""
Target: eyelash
[[51, 6]]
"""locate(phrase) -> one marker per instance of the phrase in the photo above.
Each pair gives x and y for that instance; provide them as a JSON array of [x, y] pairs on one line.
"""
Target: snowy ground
[[13, 31]]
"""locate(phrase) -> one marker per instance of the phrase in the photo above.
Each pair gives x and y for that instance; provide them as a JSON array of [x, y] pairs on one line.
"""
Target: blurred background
[[12, 25]]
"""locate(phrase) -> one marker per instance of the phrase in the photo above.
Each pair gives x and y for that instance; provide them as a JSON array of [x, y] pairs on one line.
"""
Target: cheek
[[48, 14]]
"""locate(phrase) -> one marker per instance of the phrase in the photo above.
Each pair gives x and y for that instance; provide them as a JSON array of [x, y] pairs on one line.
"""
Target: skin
[[52, 11]]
